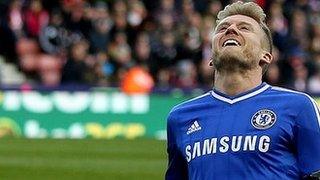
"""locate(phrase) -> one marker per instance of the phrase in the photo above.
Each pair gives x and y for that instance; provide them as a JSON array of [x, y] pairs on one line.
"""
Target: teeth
[[231, 42]]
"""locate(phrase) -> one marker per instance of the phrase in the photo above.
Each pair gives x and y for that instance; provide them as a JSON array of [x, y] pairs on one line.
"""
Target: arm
[[177, 166], [307, 138]]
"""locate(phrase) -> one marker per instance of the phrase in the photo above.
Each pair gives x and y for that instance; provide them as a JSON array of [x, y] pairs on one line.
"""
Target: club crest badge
[[263, 119]]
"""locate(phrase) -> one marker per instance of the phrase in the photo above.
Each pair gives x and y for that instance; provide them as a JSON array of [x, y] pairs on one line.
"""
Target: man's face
[[237, 44]]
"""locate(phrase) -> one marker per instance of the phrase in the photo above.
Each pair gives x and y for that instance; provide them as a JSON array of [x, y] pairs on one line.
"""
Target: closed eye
[[244, 28], [221, 29]]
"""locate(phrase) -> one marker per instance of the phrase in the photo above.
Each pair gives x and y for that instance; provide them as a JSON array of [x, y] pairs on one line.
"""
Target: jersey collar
[[242, 96]]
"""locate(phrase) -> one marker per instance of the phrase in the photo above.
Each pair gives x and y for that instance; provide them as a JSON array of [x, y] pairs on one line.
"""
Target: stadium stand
[[52, 43]]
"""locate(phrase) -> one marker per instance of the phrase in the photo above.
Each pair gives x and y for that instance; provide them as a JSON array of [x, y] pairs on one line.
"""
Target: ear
[[266, 58], [211, 61]]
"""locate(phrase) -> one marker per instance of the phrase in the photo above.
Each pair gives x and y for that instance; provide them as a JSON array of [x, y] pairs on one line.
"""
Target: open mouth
[[231, 42]]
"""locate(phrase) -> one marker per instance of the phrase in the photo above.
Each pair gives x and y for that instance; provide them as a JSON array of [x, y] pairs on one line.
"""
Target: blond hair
[[254, 11]]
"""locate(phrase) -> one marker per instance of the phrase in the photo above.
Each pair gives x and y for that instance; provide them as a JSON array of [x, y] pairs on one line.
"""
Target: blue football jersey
[[265, 133]]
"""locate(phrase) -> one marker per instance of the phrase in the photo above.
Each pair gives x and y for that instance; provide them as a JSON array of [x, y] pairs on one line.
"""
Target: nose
[[232, 29]]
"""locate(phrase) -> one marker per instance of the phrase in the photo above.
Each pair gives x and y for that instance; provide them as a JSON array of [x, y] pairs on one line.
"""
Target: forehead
[[235, 19]]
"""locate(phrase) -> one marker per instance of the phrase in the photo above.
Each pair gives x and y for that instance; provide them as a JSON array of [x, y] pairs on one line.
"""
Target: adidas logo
[[194, 127]]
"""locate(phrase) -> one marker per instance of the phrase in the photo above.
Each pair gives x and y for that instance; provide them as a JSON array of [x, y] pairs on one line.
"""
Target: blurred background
[[106, 73]]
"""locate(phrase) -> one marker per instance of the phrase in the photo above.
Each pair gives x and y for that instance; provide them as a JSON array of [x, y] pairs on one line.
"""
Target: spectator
[[187, 9], [35, 18], [53, 37], [166, 7], [205, 72], [142, 52], [299, 81], [15, 18], [104, 69], [120, 8], [137, 14], [121, 25], [165, 53], [315, 45], [314, 83], [76, 69], [120, 51], [273, 75], [299, 29], [190, 43], [186, 74], [214, 7], [76, 20], [102, 23]]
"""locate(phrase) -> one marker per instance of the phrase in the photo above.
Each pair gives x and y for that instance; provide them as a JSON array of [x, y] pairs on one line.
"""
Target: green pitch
[[24, 159]]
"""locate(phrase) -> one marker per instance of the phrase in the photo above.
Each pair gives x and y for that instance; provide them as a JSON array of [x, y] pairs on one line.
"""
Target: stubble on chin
[[233, 60]]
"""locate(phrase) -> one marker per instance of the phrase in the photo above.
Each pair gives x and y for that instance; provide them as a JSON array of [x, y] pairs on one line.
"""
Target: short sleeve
[[307, 137], [177, 167]]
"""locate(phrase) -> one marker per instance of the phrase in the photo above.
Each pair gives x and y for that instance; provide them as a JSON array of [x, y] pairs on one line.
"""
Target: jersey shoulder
[[192, 104], [290, 96]]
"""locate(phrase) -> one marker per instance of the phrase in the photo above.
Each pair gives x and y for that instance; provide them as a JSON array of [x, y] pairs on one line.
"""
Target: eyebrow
[[245, 23], [228, 23], [222, 24]]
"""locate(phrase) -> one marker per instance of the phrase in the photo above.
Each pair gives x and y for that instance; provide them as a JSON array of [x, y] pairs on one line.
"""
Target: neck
[[235, 83]]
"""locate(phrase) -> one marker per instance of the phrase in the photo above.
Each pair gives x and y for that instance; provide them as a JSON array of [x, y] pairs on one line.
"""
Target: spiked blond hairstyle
[[254, 11]]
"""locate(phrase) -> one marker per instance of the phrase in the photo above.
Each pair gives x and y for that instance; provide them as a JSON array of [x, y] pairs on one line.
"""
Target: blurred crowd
[[97, 42]]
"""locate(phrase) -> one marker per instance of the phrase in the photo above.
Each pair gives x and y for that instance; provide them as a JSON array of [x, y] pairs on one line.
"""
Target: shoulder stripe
[[315, 106], [195, 98], [285, 90], [198, 97]]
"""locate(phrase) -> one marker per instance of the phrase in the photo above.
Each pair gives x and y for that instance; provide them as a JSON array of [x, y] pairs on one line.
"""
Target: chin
[[231, 59], [231, 52]]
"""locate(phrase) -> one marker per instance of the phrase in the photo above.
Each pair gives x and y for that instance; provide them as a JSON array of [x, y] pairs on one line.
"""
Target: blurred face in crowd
[[238, 44], [187, 7], [121, 38], [101, 12], [79, 51], [120, 21], [168, 39], [215, 7], [16, 4], [102, 26], [166, 22], [142, 47], [120, 7], [36, 6], [56, 19], [167, 4]]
